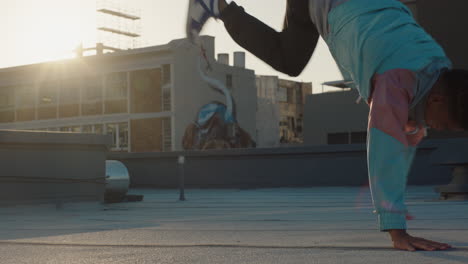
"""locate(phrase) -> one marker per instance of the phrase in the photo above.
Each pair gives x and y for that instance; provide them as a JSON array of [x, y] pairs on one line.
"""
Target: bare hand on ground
[[404, 241]]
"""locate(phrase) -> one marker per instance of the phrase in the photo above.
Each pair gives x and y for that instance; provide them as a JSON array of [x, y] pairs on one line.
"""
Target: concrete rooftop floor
[[310, 225]]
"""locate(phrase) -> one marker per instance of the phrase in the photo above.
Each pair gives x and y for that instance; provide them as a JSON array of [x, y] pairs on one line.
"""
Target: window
[[292, 122], [347, 138], [299, 125], [166, 87], [48, 92], [88, 129], [119, 133], [290, 95], [92, 129], [71, 129], [98, 129], [75, 129], [123, 135], [299, 98], [116, 85], [7, 97], [166, 97], [111, 129], [92, 88], [282, 94], [167, 134], [338, 138], [166, 75], [70, 91]]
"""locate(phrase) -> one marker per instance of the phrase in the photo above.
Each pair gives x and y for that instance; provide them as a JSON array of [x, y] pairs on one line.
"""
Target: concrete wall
[[337, 165], [268, 131], [268, 112], [333, 112], [51, 167], [280, 110], [191, 92]]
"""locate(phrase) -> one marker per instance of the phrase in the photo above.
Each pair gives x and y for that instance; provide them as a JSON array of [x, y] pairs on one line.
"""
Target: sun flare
[[52, 29]]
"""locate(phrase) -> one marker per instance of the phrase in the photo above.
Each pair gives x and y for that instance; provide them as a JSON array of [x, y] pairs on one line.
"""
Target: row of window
[[347, 138], [119, 132], [48, 93], [291, 122], [68, 91], [291, 95]]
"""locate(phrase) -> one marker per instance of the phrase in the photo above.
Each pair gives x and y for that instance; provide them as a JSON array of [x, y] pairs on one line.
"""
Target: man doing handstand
[[398, 69]]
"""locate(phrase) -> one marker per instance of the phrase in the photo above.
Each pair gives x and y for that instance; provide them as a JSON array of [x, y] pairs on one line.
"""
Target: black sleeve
[[288, 51]]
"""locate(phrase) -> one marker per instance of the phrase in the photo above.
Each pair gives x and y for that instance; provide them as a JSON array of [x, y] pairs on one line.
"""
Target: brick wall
[[145, 91], [146, 135]]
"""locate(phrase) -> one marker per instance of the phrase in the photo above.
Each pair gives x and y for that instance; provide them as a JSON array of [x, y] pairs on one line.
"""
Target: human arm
[[287, 51], [391, 150]]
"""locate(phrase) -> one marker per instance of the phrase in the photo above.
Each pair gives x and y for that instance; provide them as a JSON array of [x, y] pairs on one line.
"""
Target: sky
[[43, 30]]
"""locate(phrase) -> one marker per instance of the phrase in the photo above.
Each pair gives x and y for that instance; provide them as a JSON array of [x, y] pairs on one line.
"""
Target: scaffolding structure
[[118, 25]]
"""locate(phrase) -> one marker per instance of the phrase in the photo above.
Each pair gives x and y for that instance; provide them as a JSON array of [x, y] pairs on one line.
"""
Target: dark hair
[[457, 90]]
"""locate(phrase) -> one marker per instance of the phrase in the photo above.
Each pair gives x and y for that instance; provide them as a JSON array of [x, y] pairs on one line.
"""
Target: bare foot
[[404, 241]]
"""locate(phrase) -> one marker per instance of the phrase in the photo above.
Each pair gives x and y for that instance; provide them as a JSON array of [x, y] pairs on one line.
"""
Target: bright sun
[[52, 29]]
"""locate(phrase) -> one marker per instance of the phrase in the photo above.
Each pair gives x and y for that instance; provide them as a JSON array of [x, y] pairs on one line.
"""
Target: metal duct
[[117, 180]]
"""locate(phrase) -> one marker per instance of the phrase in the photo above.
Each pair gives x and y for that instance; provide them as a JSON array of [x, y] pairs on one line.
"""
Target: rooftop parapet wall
[[328, 165], [45, 167]]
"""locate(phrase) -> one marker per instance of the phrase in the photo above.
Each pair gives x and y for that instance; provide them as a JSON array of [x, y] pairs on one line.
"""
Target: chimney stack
[[99, 48], [79, 51], [239, 59], [223, 58]]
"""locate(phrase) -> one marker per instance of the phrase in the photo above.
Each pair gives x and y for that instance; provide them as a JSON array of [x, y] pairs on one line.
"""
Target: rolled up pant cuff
[[389, 221]]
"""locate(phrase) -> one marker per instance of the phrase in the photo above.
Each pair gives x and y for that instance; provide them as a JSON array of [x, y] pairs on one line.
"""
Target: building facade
[[280, 111], [335, 118], [144, 98]]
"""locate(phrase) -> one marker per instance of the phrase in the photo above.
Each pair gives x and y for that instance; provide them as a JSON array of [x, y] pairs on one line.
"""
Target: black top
[[287, 51]]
